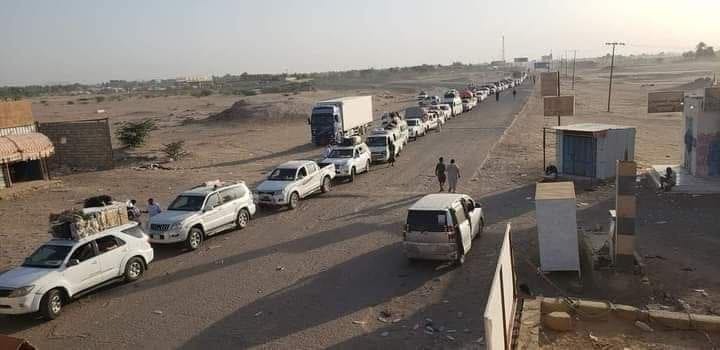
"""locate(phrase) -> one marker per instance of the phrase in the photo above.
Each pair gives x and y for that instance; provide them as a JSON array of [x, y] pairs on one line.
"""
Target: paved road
[[315, 277]]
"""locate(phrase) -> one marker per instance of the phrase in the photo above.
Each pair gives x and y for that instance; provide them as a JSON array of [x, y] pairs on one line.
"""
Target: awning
[[25, 147]]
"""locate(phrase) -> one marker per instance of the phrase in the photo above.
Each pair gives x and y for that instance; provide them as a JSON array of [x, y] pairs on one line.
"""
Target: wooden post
[[626, 213]]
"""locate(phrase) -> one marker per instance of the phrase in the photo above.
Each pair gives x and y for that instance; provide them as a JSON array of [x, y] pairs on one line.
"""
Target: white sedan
[[62, 270]]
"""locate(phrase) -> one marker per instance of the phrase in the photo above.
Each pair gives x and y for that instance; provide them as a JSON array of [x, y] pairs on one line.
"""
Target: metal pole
[[544, 163], [573, 75]]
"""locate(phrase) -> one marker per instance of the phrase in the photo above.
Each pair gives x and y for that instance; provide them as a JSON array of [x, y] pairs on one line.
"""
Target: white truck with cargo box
[[333, 120], [442, 226], [292, 181]]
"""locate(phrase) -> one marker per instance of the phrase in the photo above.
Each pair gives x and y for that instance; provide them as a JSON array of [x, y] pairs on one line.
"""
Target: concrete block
[[549, 305], [558, 321], [675, 320], [598, 309], [706, 322], [626, 312]]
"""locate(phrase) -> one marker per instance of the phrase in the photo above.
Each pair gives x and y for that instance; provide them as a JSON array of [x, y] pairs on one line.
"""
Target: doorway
[[579, 155]]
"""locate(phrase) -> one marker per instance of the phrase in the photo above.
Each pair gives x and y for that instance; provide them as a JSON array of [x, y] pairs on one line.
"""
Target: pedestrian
[[391, 154], [514, 93], [497, 96], [327, 150], [440, 173], [153, 208], [133, 211], [453, 174]]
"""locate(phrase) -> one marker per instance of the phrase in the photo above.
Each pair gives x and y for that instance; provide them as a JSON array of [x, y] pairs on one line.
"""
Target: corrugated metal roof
[[591, 127], [25, 147]]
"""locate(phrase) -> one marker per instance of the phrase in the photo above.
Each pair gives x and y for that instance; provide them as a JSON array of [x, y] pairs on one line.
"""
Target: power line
[[612, 68]]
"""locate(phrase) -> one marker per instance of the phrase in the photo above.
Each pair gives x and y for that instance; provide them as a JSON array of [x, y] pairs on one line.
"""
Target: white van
[[442, 226]]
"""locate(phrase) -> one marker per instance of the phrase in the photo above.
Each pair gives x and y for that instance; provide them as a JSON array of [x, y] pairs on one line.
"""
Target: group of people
[[449, 173], [134, 213]]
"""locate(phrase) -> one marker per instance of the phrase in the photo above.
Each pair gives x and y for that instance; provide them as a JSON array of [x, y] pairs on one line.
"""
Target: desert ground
[[341, 260]]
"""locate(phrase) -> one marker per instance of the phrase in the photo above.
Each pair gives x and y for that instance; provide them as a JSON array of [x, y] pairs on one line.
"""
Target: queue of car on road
[[438, 226]]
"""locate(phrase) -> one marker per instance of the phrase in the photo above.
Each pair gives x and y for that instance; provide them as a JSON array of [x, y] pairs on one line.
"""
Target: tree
[[175, 150], [133, 134], [702, 50]]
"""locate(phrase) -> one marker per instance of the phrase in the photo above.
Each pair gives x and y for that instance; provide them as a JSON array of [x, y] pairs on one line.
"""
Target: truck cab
[[332, 120]]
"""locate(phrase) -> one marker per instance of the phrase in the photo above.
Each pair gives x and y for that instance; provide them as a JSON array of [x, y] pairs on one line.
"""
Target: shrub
[[70, 102], [175, 150], [202, 93], [249, 92], [133, 134], [99, 99]]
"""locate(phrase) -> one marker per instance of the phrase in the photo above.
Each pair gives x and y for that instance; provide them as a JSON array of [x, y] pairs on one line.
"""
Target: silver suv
[[201, 212]]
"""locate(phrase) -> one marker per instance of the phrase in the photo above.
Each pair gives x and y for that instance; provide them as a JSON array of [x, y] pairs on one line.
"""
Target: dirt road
[[316, 277]]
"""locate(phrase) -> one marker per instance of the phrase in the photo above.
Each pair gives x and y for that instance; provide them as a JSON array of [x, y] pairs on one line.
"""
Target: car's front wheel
[[325, 185], [134, 269], [351, 178], [194, 238], [243, 218], [294, 200], [51, 304]]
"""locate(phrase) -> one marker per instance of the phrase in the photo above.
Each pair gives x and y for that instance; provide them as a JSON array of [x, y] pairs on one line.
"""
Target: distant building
[[23, 150], [592, 150]]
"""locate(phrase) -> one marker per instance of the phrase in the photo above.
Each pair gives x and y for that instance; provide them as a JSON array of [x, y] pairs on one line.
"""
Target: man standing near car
[[453, 175], [440, 173]]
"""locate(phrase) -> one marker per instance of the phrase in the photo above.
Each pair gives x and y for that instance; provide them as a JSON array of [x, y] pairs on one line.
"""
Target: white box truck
[[333, 120]]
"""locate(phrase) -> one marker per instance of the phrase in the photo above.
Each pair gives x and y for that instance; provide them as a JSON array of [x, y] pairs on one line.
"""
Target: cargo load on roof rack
[[80, 223]]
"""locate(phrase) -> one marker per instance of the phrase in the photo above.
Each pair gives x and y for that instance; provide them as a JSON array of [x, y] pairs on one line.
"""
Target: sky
[[93, 41]]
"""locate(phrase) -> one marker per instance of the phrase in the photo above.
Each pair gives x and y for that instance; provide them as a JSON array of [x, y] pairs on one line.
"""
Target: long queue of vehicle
[[438, 226]]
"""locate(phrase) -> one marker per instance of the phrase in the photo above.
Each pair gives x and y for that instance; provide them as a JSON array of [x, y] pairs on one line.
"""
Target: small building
[[701, 135], [23, 150], [592, 150], [555, 212]]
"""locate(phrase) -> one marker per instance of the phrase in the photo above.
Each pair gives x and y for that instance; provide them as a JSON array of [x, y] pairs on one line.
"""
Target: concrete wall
[[499, 312], [557, 234], [701, 139], [83, 145], [15, 113]]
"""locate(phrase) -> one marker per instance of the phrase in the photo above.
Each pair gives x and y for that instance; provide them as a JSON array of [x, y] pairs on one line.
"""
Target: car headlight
[[21, 292], [175, 226], [279, 193]]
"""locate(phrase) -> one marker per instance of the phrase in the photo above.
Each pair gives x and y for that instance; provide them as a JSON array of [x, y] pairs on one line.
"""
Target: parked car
[[416, 128], [349, 160], [442, 226], [294, 180], [422, 95], [433, 121], [201, 212], [442, 118], [447, 110], [65, 269], [379, 142]]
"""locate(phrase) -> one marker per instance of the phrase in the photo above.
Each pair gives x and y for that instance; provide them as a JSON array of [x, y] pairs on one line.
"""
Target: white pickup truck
[[349, 160], [292, 181], [379, 143]]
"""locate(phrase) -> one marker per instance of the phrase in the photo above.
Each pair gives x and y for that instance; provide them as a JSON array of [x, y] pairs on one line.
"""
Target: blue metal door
[[714, 159], [578, 155]]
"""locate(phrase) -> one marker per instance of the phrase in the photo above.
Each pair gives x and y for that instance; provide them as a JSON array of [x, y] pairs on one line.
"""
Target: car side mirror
[[72, 262]]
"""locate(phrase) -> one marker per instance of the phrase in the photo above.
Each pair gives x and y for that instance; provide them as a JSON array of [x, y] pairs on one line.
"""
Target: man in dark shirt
[[440, 173]]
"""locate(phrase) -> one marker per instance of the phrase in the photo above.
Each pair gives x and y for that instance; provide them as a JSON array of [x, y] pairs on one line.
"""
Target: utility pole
[[566, 64], [612, 68], [573, 78]]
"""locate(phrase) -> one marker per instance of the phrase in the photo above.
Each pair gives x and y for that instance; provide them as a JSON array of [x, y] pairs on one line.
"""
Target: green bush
[[202, 93], [70, 102], [133, 134], [175, 150], [99, 99]]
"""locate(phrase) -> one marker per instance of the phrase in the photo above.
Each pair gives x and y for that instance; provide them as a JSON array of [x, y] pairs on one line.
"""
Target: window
[[311, 168], [108, 243], [357, 155], [427, 220], [84, 252], [134, 231], [187, 203], [212, 201], [228, 195], [302, 173], [470, 205], [281, 174], [460, 215], [47, 256]]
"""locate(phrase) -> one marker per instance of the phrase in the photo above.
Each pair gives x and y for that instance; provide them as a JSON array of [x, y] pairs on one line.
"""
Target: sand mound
[[699, 83], [242, 111]]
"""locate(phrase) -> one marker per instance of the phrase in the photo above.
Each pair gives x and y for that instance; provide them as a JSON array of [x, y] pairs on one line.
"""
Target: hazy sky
[[93, 41]]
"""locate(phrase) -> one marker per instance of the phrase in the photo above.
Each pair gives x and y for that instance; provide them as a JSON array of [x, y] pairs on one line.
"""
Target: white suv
[[201, 212], [63, 269]]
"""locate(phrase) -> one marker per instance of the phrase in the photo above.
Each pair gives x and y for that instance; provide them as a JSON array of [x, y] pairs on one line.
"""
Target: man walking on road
[[440, 173], [514, 93], [497, 96], [391, 154], [453, 174]]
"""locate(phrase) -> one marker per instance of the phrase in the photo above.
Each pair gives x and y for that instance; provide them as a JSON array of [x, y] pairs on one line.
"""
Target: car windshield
[[283, 174], [376, 141], [341, 153], [47, 256], [413, 122], [323, 118], [187, 203], [427, 220]]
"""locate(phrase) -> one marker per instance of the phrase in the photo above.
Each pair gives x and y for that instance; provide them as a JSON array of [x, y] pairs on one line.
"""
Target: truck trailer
[[333, 120]]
